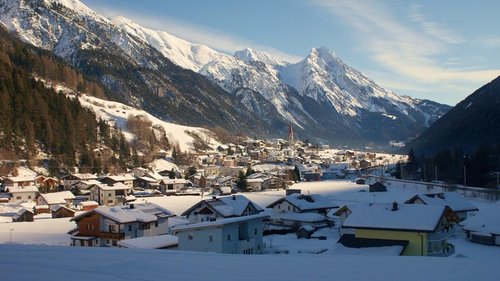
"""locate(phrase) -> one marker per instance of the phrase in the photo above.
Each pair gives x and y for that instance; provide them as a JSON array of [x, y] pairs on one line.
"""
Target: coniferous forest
[[36, 119]]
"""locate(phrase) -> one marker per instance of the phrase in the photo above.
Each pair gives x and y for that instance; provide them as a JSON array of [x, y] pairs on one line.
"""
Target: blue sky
[[439, 50]]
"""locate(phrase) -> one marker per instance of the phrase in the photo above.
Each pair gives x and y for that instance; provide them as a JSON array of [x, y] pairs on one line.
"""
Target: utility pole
[[465, 175]]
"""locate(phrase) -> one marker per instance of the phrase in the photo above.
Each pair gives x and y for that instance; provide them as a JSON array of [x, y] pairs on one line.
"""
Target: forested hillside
[[36, 121]]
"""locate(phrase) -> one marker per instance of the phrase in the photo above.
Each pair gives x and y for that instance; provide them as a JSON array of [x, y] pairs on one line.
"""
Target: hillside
[[38, 123], [250, 92], [472, 122]]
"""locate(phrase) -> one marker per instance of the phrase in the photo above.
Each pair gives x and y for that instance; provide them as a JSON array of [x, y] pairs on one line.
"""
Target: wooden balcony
[[111, 235]]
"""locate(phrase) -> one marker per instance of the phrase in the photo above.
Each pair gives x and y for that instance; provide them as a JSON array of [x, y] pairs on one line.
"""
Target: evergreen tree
[[241, 182], [296, 174]]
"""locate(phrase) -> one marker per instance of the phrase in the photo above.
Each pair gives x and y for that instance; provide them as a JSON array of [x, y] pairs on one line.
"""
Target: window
[[288, 208], [90, 243], [190, 236], [109, 194], [255, 231], [143, 226], [110, 201], [229, 237], [112, 228], [210, 238], [156, 223], [18, 197], [29, 196], [129, 227], [107, 241], [114, 242]]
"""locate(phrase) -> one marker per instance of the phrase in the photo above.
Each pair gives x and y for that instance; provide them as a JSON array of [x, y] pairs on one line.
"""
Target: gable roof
[[226, 206], [218, 222], [306, 202], [119, 178], [144, 212], [451, 199], [415, 218], [57, 197]]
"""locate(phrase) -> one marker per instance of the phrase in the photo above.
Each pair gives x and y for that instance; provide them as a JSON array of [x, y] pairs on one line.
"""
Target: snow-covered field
[[305, 260], [21, 262]]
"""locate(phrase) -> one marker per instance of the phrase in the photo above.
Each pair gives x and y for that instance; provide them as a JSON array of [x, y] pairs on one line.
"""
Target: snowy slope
[[181, 52], [324, 98], [116, 114]]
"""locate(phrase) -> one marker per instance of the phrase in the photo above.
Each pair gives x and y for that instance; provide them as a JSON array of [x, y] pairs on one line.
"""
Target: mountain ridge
[[321, 96]]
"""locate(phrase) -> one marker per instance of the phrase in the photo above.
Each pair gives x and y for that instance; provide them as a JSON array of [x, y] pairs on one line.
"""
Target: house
[[49, 183], [455, 201], [377, 187], [63, 198], [302, 203], [363, 164], [236, 235], [126, 179], [221, 207], [255, 184], [23, 215], [18, 182], [342, 213], [105, 226], [172, 186], [105, 195], [88, 205], [71, 179], [425, 227], [83, 187], [150, 181], [21, 194], [59, 211], [484, 227], [296, 210], [163, 241]]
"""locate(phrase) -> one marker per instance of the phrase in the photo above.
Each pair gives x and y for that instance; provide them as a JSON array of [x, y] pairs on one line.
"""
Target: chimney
[[214, 197], [234, 197], [131, 206], [394, 206]]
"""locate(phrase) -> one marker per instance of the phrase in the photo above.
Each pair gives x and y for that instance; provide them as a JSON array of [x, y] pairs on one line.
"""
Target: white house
[[296, 210], [221, 207], [106, 195], [237, 235], [105, 226], [126, 179], [71, 179], [455, 201], [64, 198], [172, 186], [22, 193]]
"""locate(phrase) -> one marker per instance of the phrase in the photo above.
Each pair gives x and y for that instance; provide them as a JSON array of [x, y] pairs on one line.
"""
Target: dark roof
[[350, 241]]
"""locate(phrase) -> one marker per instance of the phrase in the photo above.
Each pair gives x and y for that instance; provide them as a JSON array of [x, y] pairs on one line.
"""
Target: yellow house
[[426, 228]]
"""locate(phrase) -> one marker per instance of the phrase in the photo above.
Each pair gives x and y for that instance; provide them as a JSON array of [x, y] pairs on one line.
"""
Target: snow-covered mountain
[[323, 97]]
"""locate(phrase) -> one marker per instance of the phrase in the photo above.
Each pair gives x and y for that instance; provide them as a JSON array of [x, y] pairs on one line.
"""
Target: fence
[[466, 191]]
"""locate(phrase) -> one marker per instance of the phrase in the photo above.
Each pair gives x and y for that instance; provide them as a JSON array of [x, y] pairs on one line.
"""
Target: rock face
[[250, 92]]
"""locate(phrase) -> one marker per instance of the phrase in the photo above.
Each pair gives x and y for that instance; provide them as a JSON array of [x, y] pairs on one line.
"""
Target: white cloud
[[215, 39], [407, 51]]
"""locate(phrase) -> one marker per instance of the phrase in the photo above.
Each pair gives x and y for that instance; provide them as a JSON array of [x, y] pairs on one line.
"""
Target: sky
[[438, 50]]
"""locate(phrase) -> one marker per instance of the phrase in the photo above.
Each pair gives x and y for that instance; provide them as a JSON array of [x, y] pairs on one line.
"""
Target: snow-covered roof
[[227, 206], [55, 208], [150, 242], [485, 221], [301, 217], [218, 222], [20, 178], [124, 177], [451, 199], [174, 181], [305, 202], [22, 189], [144, 212], [88, 203], [57, 197], [84, 176], [116, 186], [254, 180], [408, 217]]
